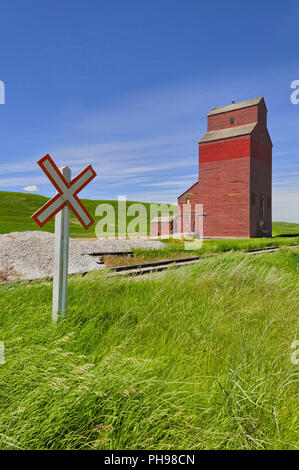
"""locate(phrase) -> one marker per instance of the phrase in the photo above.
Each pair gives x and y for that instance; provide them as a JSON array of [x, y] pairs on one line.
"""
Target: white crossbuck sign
[[59, 206], [67, 193]]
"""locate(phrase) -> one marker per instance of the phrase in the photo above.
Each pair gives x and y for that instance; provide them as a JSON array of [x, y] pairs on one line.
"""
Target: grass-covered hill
[[285, 229], [16, 210], [195, 358]]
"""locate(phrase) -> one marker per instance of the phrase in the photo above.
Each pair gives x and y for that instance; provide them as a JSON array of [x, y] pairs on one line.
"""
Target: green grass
[[16, 210], [284, 229], [175, 248], [194, 358]]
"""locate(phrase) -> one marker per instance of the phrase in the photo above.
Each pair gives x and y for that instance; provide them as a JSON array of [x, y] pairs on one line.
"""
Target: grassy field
[[16, 210], [285, 229], [176, 248], [195, 358]]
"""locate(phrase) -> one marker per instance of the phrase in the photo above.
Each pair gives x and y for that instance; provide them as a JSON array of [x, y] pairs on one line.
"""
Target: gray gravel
[[29, 255]]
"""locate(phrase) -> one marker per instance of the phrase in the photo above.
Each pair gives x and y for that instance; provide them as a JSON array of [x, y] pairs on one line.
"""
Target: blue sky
[[126, 86]]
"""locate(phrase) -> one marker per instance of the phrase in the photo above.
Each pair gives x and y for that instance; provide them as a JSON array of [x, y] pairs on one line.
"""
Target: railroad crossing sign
[[67, 193], [59, 206]]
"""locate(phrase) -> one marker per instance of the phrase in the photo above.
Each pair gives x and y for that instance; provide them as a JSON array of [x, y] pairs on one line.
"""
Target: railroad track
[[156, 266], [269, 249]]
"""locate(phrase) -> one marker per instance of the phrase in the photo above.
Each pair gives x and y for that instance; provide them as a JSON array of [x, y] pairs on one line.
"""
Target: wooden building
[[235, 173]]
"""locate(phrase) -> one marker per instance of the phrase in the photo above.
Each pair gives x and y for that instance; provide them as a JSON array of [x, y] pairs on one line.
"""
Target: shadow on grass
[[288, 235]]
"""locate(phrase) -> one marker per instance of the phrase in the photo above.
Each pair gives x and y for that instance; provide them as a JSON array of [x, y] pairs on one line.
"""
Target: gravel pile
[[29, 255]]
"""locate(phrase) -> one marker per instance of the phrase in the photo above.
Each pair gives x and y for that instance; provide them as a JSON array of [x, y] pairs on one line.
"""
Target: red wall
[[241, 117], [224, 170], [160, 229], [261, 182], [192, 194]]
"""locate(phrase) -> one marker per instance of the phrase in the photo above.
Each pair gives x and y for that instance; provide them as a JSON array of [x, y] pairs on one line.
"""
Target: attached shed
[[189, 197], [161, 226]]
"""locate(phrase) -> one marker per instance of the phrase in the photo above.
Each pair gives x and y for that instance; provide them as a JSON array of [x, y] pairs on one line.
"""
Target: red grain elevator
[[235, 173]]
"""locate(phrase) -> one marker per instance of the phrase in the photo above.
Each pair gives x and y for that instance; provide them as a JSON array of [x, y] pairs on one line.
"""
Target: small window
[[188, 200], [252, 199], [232, 121]]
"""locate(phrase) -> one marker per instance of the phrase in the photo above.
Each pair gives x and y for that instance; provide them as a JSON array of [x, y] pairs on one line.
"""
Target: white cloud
[[177, 184], [12, 181], [131, 157], [31, 189], [146, 144], [18, 167]]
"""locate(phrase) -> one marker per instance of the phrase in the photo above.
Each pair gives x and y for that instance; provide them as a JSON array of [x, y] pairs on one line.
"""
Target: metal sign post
[[61, 255], [59, 206]]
